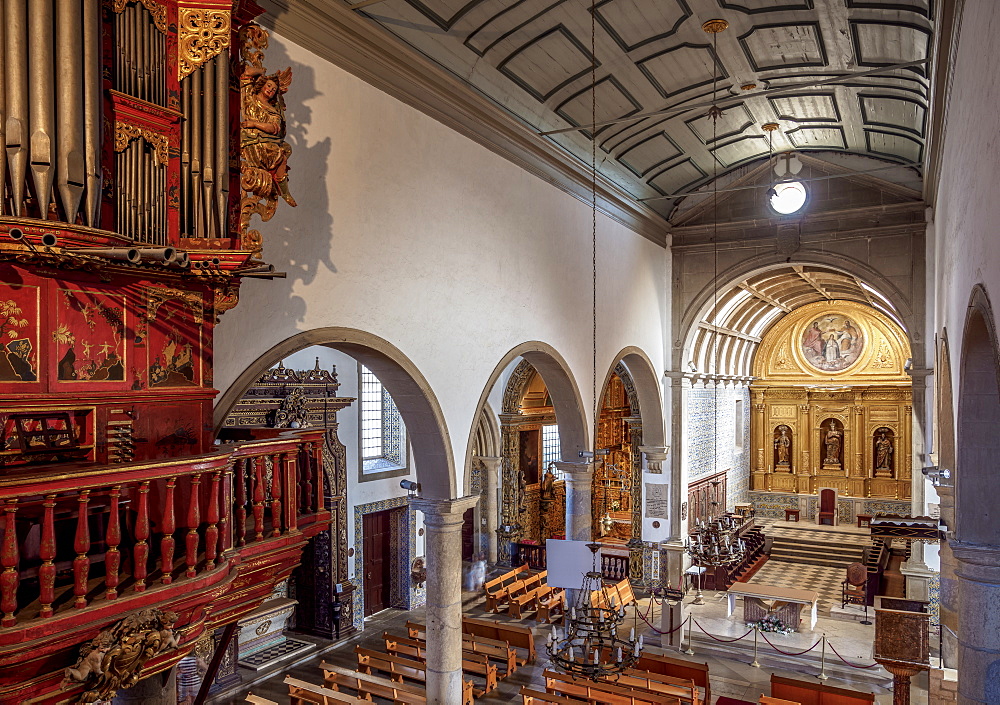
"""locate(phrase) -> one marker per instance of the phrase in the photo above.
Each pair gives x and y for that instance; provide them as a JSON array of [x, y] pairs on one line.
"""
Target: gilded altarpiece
[[525, 515], [284, 398], [832, 404]]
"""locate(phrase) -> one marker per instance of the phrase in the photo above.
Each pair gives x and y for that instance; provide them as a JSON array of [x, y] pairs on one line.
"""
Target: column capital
[[442, 512], [981, 559], [576, 471], [489, 461]]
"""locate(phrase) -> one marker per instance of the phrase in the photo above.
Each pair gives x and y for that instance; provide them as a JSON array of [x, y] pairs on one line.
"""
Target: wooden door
[[468, 534], [377, 574]]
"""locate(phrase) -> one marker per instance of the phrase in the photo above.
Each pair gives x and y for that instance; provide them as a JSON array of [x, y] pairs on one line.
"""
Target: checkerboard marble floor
[[792, 530], [825, 581]]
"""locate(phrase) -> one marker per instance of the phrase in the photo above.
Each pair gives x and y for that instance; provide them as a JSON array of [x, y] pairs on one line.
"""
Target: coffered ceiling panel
[[654, 78]]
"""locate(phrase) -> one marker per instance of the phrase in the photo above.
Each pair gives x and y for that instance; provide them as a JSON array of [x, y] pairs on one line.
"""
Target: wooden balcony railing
[[89, 535]]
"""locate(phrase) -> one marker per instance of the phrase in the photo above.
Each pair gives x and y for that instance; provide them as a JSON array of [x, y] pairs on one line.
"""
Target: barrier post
[[822, 660], [756, 663], [690, 648]]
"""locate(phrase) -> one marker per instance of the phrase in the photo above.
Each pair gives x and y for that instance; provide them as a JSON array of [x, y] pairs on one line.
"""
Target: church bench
[[527, 600], [603, 692], [765, 700], [517, 636], [551, 606], [399, 668], [684, 691], [367, 685], [499, 651], [257, 700], [301, 692], [472, 663], [677, 668], [496, 588], [537, 697], [808, 693], [620, 591]]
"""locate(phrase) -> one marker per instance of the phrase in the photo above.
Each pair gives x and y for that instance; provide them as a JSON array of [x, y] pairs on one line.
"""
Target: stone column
[[443, 545], [978, 623], [491, 470], [949, 580], [579, 479]]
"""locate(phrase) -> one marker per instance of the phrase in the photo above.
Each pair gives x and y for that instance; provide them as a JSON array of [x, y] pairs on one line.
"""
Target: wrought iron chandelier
[[716, 542], [590, 647]]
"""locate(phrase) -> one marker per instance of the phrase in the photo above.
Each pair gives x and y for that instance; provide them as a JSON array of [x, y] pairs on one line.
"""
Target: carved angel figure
[[264, 152]]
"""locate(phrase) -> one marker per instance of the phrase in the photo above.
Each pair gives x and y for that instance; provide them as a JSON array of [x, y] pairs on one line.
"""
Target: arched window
[[383, 436]]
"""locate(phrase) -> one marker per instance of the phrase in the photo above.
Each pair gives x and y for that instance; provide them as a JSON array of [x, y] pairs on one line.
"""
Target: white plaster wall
[[409, 231], [967, 211]]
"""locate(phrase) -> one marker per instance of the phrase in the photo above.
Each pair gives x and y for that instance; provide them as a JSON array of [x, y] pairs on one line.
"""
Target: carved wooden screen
[[707, 497]]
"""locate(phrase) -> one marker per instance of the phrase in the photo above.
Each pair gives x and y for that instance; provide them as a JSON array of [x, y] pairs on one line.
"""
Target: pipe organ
[[124, 116]]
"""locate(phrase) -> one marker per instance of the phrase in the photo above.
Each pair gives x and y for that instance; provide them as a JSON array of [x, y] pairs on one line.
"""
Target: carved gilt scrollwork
[[114, 659], [225, 298], [125, 132], [157, 10], [156, 297], [202, 34]]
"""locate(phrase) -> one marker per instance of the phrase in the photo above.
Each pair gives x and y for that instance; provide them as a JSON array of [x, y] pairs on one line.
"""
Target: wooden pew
[[677, 668], [765, 700], [472, 663], [603, 691], [399, 668], [367, 685], [537, 697], [496, 588], [251, 698], [527, 600], [301, 692], [684, 691], [517, 636], [550, 607], [499, 651], [815, 693]]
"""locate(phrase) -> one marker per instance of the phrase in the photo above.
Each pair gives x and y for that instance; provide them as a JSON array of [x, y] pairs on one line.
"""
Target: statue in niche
[[883, 452], [263, 150], [783, 447], [833, 440], [548, 488]]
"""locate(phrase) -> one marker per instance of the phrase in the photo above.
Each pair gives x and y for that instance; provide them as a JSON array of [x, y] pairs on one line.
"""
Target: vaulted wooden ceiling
[[534, 58]]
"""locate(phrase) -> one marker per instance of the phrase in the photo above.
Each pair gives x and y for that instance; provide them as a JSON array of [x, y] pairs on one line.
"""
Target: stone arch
[[644, 392], [417, 404], [699, 306], [945, 407], [976, 513]]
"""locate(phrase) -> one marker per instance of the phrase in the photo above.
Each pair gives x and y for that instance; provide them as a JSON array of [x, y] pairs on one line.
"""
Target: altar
[[785, 603]]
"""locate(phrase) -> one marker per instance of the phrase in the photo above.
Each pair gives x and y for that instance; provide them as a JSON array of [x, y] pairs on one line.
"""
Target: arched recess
[[417, 404], [976, 513], [481, 477], [744, 314], [945, 445], [568, 411]]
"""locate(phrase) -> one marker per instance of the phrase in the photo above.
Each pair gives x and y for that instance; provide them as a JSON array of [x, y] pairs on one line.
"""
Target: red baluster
[[258, 497], [113, 537], [9, 558], [308, 467], [167, 542], [140, 552], [212, 517], [240, 477], [81, 564], [47, 552], [278, 464], [226, 507], [194, 519]]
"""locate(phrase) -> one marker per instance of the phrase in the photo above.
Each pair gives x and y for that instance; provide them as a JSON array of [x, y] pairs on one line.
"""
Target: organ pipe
[[222, 140], [208, 147], [16, 77], [70, 167], [92, 110], [41, 69]]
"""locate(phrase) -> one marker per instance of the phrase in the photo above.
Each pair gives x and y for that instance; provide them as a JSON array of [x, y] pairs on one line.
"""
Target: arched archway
[[945, 435], [415, 399], [978, 448]]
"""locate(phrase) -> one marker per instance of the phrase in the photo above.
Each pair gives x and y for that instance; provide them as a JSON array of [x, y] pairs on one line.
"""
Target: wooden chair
[[854, 587], [828, 507]]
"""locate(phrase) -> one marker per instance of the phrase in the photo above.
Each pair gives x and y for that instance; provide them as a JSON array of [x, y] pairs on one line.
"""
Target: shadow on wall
[[302, 250]]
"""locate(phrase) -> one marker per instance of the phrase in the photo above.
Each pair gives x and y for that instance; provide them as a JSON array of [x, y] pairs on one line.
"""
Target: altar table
[[771, 592]]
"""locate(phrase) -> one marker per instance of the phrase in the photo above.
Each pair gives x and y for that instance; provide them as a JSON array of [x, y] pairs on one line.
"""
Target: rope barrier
[[649, 624], [852, 665], [790, 653], [725, 641]]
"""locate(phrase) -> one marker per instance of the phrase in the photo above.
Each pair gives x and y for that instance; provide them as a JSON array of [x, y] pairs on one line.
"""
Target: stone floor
[[730, 672]]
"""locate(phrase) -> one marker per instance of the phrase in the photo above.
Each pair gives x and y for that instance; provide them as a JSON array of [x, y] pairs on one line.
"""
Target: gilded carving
[[781, 361], [125, 132], [157, 296], [202, 33], [263, 150], [157, 10], [114, 659], [883, 358], [225, 298], [293, 412]]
